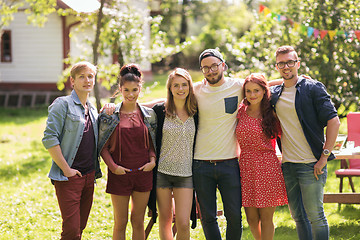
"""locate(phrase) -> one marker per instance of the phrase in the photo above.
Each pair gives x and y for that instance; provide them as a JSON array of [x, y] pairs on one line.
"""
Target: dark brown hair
[[190, 104], [284, 50], [269, 123], [130, 72]]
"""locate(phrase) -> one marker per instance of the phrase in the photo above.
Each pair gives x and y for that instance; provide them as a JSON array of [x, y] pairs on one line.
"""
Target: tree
[[334, 62], [37, 10], [120, 32], [209, 24], [95, 46]]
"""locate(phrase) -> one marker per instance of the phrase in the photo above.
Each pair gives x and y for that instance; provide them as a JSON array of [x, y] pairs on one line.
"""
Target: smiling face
[[84, 81], [254, 93], [288, 73], [214, 78], [130, 91], [179, 88]]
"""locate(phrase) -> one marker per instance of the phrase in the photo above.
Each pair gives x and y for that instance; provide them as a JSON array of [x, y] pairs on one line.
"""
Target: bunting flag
[[323, 33], [357, 33], [332, 33], [309, 31], [267, 11], [296, 26], [261, 8], [316, 32]]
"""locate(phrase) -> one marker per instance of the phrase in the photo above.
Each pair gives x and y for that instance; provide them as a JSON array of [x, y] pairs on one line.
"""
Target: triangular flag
[[310, 31], [283, 18], [303, 28], [357, 33], [267, 11], [273, 15], [261, 8], [346, 34], [279, 17], [332, 33], [296, 26], [290, 21], [341, 32], [323, 33], [316, 33]]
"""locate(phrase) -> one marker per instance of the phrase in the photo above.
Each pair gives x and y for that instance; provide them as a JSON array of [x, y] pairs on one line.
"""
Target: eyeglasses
[[290, 63], [213, 68]]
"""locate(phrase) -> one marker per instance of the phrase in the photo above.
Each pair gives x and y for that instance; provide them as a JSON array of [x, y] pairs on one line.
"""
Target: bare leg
[[253, 219], [267, 224], [183, 202], [164, 200], [139, 201], [121, 208]]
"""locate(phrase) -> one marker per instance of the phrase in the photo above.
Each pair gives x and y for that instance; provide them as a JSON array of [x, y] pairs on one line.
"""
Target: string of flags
[[310, 31]]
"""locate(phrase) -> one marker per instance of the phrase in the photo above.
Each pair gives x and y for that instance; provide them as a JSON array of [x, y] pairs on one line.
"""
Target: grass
[[28, 205]]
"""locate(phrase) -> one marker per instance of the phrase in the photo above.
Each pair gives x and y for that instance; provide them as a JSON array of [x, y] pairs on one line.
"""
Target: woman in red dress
[[262, 181]]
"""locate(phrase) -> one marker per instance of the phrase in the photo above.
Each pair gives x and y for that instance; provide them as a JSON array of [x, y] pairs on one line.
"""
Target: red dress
[[262, 181]]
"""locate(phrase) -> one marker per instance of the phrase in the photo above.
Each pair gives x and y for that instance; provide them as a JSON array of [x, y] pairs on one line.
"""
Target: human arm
[[57, 156], [149, 166], [109, 108], [153, 102], [152, 156], [275, 82], [54, 135], [106, 156], [332, 131]]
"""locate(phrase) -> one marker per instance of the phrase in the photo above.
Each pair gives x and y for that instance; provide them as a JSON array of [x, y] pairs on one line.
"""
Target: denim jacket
[[108, 123], [313, 107], [65, 126]]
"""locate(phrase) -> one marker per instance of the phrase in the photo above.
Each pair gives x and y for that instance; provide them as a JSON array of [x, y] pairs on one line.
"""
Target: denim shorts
[[168, 181]]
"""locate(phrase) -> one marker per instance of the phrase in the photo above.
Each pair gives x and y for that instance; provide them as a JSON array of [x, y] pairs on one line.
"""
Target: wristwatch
[[326, 152]]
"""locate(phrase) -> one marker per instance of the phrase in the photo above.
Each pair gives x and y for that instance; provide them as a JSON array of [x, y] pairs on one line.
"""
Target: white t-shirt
[[218, 107], [295, 147]]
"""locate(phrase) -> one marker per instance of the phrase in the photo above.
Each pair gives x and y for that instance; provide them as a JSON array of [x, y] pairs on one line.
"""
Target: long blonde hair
[[190, 103]]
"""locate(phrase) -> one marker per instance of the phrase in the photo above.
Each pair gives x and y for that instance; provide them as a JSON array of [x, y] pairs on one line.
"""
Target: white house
[[32, 58]]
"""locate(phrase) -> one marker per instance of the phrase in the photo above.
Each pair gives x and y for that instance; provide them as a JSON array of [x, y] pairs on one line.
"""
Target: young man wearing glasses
[[304, 108], [216, 157]]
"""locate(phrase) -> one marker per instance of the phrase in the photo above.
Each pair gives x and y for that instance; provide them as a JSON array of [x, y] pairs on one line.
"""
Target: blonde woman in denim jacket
[[126, 144]]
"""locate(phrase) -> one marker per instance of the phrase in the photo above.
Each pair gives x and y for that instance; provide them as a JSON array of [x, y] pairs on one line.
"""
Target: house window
[[6, 46]]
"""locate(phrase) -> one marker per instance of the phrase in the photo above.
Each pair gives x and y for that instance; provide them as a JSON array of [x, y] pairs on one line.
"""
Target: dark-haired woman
[[126, 143], [262, 181]]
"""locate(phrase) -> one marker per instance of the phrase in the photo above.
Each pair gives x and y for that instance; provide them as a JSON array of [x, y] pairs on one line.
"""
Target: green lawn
[[28, 206]]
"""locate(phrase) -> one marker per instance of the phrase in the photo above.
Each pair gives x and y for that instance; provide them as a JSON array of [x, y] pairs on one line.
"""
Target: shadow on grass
[[32, 165], [348, 211], [285, 233], [33, 161], [348, 230], [22, 115]]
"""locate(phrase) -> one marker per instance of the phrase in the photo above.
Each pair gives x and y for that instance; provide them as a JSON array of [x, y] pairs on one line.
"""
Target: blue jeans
[[305, 195], [226, 177]]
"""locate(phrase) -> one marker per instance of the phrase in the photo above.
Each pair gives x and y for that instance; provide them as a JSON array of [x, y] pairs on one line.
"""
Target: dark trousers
[[75, 199], [226, 177]]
